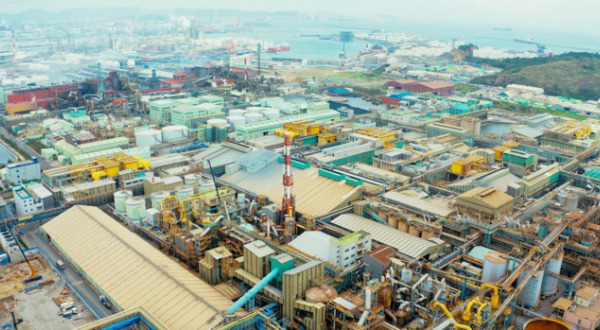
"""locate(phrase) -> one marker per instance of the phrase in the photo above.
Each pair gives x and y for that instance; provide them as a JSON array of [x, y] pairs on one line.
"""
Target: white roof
[[132, 272], [405, 243]]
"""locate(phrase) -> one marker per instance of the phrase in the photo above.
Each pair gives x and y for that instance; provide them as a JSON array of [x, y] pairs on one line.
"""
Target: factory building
[[191, 116], [352, 152], [537, 181], [406, 244], [378, 260], [260, 128], [28, 170], [25, 202], [343, 252], [147, 273], [485, 203], [434, 87]]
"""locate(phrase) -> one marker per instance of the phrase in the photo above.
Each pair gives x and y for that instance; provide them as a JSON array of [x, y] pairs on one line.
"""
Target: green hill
[[574, 75]]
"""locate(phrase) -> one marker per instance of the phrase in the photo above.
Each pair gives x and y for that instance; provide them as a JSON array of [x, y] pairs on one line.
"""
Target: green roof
[[593, 173]]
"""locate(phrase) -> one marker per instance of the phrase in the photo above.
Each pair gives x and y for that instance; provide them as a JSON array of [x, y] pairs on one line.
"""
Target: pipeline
[[478, 320], [254, 290], [449, 315], [467, 315], [495, 297], [363, 318], [391, 315]]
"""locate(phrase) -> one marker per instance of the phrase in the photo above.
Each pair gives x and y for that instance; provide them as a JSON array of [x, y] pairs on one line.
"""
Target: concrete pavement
[[32, 235]]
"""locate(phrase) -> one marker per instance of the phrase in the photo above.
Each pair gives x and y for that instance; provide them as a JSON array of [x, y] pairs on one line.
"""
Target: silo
[[550, 281], [393, 221], [530, 295], [191, 179], [148, 138], [237, 112], [120, 198], [184, 192], [271, 114], [253, 117], [174, 133], [236, 121], [216, 122], [494, 267], [205, 185], [545, 324], [254, 110], [156, 199], [136, 209]]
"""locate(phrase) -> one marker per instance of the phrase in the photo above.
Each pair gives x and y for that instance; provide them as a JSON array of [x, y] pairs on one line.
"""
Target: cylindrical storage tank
[[320, 294], [205, 185], [174, 133], [156, 199], [120, 198], [184, 192], [148, 138], [551, 282], [384, 296], [545, 324], [236, 121], [571, 202], [237, 112], [271, 114], [393, 222], [406, 275], [216, 122], [254, 110], [530, 295], [253, 117], [494, 267], [136, 209], [190, 179]]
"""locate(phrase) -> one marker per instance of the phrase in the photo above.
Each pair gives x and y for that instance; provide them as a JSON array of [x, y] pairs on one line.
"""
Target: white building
[[525, 89], [26, 203], [343, 252], [23, 171]]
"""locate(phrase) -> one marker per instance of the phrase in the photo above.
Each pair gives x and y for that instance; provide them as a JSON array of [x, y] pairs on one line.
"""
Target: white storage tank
[[174, 133], [152, 217], [120, 198], [494, 267], [156, 199], [253, 117], [236, 121], [272, 114], [254, 109], [530, 295], [118, 125], [551, 282], [205, 185], [191, 179], [148, 138], [184, 192], [216, 122], [136, 209], [237, 112]]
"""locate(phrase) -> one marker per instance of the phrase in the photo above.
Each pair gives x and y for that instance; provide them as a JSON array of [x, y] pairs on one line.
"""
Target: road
[[44, 164], [34, 237]]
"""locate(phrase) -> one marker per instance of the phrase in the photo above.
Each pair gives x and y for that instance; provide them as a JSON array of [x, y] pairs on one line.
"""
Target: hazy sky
[[554, 15]]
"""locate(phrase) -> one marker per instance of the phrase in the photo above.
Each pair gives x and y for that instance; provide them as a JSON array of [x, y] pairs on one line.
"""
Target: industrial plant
[[176, 173]]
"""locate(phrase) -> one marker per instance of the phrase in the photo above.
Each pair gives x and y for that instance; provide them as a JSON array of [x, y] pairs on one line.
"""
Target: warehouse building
[[406, 244], [130, 272], [485, 203], [260, 128], [433, 87]]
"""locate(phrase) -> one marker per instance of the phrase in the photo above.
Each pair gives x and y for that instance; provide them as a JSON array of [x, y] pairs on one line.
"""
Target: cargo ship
[[277, 49]]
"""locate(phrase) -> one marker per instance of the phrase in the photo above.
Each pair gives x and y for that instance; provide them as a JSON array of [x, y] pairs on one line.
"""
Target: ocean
[[282, 31]]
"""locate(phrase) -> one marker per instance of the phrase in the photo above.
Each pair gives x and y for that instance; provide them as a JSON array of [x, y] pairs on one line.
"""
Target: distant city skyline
[[577, 16]]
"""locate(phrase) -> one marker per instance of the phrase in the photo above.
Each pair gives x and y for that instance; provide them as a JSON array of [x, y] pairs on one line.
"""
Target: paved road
[[34, 237], [44, 164]]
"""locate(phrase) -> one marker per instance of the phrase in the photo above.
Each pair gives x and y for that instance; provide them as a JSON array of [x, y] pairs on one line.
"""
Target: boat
[[277, 49]]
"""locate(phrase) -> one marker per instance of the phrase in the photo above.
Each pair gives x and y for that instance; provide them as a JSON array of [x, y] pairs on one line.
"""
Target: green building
[[317, 106], [213, 99], [260, 128], [520, 158], [161, 110], [192, 116]]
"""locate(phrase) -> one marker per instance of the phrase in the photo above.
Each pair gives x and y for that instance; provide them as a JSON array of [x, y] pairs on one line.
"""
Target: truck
[[105, 301], [60, 264]]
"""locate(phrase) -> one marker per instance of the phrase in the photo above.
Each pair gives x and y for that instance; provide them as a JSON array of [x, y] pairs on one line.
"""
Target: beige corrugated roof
[[315, 195], [487, 195], [134, 273], [405, 243]]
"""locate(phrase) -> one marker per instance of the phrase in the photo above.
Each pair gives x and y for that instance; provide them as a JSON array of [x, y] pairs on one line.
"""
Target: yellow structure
[[300, 128], [326, 137], [499, 150], [103, 167], [570, 130], [386, 137], [468, 165]]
